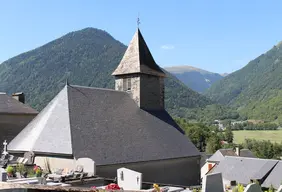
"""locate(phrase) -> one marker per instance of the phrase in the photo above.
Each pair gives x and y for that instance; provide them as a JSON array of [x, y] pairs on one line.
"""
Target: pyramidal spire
[[138, 59]]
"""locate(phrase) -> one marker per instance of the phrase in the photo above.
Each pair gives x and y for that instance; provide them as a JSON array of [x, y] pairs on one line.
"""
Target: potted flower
[[38, 171], [10, 171]]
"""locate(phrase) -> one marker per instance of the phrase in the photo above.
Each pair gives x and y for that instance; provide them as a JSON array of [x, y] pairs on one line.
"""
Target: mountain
[[256, 89], [197, 79], [224, 74], [89, 56]]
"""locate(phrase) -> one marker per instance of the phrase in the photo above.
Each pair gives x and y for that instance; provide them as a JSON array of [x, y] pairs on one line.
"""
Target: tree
[[197, 134], [226, 122], [229, 135], [221, 136], [264, 149], [213, 144]]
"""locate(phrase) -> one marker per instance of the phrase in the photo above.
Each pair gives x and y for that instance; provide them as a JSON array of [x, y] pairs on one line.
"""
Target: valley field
[[272, 135]]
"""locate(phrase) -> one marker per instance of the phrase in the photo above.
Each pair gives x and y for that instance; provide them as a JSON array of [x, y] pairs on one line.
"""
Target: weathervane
[[138, 21]]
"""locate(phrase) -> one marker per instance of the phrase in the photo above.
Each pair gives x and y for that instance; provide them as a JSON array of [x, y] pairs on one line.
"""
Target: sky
[[218, 36]]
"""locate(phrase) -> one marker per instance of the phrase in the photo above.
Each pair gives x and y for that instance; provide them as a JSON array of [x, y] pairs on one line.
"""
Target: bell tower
[[140, 76]]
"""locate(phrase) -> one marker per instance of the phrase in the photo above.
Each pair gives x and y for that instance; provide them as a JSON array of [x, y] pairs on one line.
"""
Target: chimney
[[237, 151], [210, 166], [19, 96]]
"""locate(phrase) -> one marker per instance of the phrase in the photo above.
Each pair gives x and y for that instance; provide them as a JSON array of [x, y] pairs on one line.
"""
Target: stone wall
[[182, 171], [146, 90], [152, 92], [135, 86], [12, 124]]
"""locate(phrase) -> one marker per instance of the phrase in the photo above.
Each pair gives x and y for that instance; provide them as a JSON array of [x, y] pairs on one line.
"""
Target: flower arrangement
[[238, 188], [37, 170], [112, 186], [21, 168], [156, 187], [10, 170]]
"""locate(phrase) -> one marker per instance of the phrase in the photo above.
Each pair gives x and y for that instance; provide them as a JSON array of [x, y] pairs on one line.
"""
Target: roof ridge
[[251, 158], [96, 88]]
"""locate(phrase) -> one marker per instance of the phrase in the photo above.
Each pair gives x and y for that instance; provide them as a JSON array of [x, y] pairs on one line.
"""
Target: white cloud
[[167, 47]]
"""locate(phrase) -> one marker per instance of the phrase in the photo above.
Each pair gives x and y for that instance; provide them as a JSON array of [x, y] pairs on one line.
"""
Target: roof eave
[[40, 153], [16, 113], [158, 74], [168, 159]]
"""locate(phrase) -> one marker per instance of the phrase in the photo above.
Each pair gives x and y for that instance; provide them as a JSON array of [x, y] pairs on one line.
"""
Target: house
[[237, 122], [244, 170], [219, 124], [253, 121], [126, 127], [220, 154], [14, 115]]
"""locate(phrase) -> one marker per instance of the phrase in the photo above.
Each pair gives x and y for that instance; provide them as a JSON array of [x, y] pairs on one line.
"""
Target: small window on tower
[[124, 84], [128, 84]]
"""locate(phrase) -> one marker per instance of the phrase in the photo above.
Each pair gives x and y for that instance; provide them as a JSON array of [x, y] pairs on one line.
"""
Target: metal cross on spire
[[5, 152]]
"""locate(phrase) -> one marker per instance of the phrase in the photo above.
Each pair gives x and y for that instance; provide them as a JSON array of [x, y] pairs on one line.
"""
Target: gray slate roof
[[9, 105], [105, 125], [204, 157], [246, 153], [221, 153], [275, 177], [243, 169], [138, 59]]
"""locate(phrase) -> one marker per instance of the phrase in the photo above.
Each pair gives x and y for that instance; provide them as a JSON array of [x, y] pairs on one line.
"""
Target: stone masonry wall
[[146, 90], [135, 86], [152, 92]]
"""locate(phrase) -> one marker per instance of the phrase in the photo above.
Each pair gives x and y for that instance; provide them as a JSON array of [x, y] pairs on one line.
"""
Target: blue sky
[[219, 36]]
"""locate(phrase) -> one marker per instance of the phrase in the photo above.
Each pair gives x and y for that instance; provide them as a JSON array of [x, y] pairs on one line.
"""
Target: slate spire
[[138, 59]]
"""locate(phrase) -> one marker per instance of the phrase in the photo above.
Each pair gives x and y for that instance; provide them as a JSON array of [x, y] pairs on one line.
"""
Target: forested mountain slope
[[89, 56], [255, 89]]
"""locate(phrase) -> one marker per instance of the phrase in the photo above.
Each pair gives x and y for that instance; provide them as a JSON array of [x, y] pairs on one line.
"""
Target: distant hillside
[[256, 89], [197, 79]]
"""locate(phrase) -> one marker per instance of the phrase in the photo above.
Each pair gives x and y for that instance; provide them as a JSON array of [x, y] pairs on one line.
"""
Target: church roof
[[138, 59], [104, 125], [9, 105]]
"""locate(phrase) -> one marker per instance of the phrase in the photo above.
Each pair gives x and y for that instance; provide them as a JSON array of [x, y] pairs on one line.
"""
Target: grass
[[272, 135]]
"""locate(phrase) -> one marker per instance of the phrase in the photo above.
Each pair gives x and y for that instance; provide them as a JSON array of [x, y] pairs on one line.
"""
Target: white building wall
[[55, 163], [205, 168]]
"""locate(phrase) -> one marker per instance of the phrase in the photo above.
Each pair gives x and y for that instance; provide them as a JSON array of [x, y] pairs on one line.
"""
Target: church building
[[126, 127], [14, 115]]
